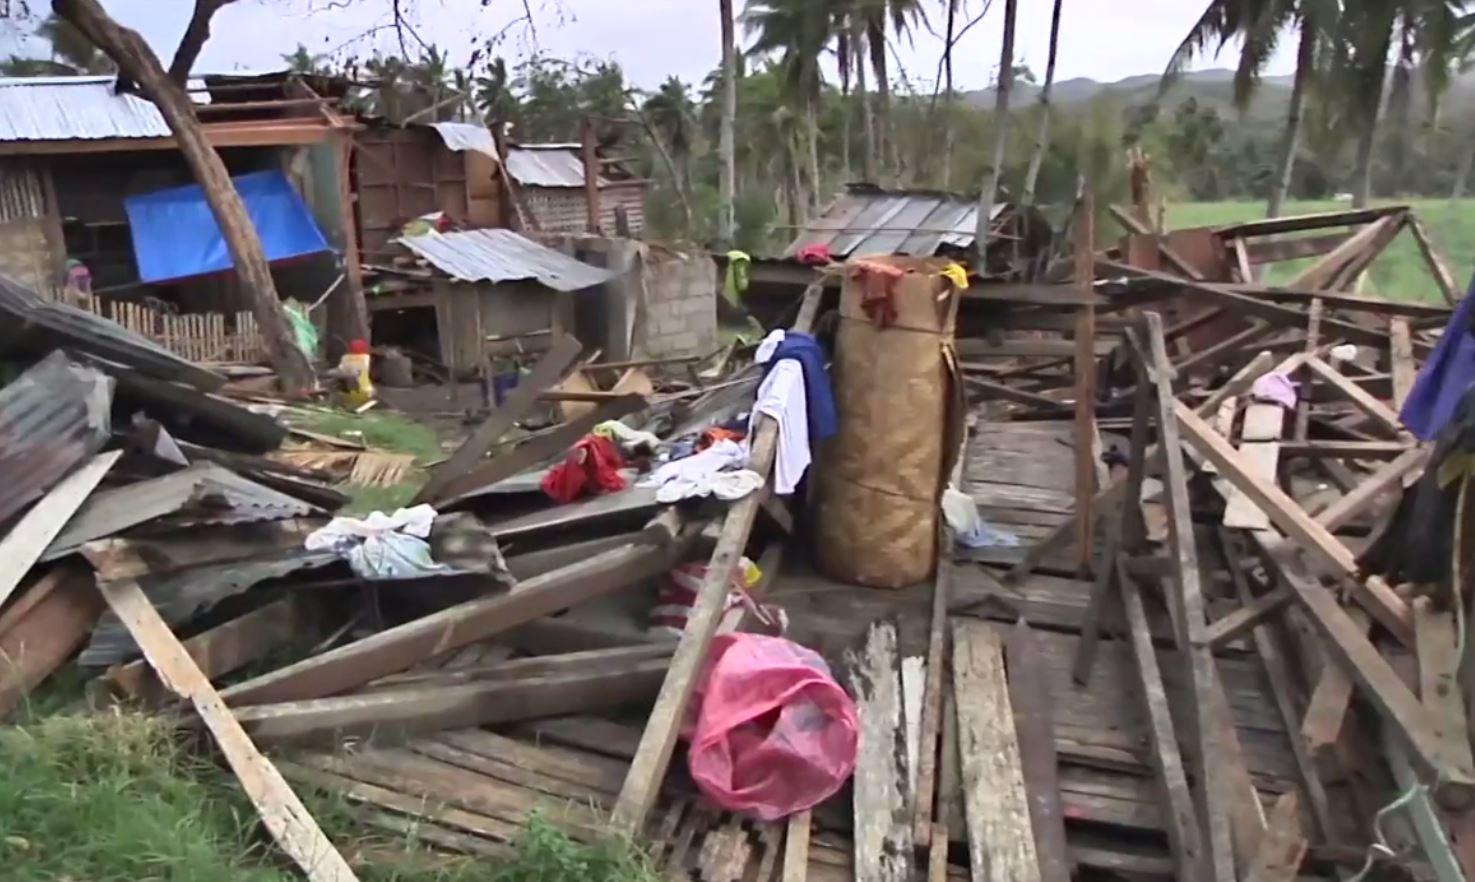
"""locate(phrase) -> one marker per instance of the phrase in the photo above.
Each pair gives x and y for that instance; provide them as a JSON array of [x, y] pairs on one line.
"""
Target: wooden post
[[1085, 368], [590, 156], [347, 310]]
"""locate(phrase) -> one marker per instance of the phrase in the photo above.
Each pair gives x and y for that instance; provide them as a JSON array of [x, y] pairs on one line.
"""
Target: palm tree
[[1259, 24], [726, 136], [301, 61], [799, 31], [71, 53], [878, 18], [673, 115], [1042, 133], [1001, 134]]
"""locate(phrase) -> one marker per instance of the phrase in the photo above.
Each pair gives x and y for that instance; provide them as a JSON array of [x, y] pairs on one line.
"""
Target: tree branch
[[194, 39]]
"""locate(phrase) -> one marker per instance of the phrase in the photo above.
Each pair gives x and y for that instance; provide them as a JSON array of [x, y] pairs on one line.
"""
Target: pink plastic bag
[[774, 733]]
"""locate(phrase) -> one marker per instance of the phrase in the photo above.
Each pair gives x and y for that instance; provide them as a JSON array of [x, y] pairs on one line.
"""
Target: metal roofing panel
[[902, 225], [547, 166], [465, 136], [503, 256], [77, 108], [52, 418], [875, 213], [869, 220]]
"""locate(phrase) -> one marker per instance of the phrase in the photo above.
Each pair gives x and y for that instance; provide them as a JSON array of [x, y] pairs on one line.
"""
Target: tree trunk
[[138, 62], [867, 118], [1462, 175], [1291, 143], [678, 179], [885, 136], [726, 138], [811, 125], [1042, 133], [1001, 133], [1371, 95]]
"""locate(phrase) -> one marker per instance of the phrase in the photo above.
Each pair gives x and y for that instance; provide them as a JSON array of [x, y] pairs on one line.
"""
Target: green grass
[[382, 430], [116, 798], [1400, 273]]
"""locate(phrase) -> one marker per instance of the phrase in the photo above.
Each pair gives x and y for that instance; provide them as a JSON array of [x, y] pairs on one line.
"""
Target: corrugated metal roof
[[30, 324], [503, 256], [465, 136], [869, 220], [547, 165], [78, 108], [52, 418]]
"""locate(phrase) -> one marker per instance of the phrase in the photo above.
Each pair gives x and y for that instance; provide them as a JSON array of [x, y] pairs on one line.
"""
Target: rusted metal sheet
[[52, 418]]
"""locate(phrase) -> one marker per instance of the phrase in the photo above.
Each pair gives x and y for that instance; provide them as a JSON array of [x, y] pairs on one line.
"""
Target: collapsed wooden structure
[[1165, 663]]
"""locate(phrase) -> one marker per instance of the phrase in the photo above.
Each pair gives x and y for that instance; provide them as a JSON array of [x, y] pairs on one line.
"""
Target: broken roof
[[503, 256], [79, 108], [466, 136], [870, 220]]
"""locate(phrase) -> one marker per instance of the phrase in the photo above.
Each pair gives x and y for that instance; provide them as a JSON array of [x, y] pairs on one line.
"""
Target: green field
[[1399, 273]]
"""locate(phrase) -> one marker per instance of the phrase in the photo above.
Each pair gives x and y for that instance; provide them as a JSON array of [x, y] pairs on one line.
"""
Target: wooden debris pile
[[1153, 655]]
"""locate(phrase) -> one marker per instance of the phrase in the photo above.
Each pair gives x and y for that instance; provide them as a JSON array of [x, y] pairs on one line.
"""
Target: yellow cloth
[[956, 274], [363, 389]]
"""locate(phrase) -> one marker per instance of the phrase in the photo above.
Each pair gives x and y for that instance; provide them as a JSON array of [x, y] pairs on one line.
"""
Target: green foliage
[[383, 430], [71, 53], [546, 854]]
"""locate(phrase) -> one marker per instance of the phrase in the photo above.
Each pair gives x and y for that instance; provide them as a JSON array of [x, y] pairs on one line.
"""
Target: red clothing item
[[878, 298], [813, 255], [592, 468]]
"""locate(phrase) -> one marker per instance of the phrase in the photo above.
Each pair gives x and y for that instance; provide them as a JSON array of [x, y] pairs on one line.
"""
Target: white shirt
[[782, 397]]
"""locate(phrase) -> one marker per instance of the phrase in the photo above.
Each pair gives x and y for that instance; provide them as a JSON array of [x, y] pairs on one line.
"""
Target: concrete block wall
[[680, 305]]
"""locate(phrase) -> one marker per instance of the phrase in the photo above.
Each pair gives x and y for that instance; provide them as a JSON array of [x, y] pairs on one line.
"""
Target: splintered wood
[[883, 827], [1001, 839]]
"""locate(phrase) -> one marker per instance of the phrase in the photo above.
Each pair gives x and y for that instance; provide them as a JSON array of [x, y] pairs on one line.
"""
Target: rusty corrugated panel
[[33, 326], [52, 418], [503, 256]]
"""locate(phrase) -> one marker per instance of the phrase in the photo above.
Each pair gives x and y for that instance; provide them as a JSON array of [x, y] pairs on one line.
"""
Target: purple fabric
[[1275, 388], [1445, 376]]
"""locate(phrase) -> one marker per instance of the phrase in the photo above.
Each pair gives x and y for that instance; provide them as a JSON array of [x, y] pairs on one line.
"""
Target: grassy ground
[[1399, 273], [116, 798]]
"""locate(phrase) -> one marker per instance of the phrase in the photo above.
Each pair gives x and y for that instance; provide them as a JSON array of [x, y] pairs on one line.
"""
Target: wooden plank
[[931, 723], [1134, 225], [1376, 410], [1262, 459], [1331, 698], [524, 397], [218, 651], [648, 769], [1282, 690], [1014, 394], [1190, 622], [1001, 841], [1439, 653], [397, 713], [1325, 271], [27, 540], [1401, 357], [883, 828], [1085, 381], [1350, 648], [1029, 697], [1292, 248], [402, 646], [1313, 339], [796, 849], [1242, 261], [1302, 222], [1324, 449], [1373, 593], [1181, 817], [1388, 477], [282, 813], [1283, 848], [41, 630], [1438, 267], [1241, 621]]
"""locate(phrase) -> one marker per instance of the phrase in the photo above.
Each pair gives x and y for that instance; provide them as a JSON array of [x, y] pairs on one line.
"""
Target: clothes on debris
[[1275, 388], [592, 468], [878, 297], [824, 419], [968, 526], [735, 284], [681, 584], [957, 274], [817, 254], [629, 439], [715, 471], [782, 397], [1445, 376], [381, 546], [1418, 541]]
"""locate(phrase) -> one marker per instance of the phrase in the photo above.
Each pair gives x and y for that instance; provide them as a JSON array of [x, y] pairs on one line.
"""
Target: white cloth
[[727, 486], [724, 454], [782, 397], [768, 347], [627, 437], [381, 546]]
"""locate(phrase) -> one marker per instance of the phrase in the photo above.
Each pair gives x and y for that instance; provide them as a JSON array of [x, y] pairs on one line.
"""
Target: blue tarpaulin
[[175, 234]]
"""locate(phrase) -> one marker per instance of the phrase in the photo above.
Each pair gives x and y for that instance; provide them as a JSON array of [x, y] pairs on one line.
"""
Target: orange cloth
[[879, 296]]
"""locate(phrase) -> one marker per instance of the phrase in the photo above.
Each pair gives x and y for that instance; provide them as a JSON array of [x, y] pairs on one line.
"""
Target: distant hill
[[1213, 88]]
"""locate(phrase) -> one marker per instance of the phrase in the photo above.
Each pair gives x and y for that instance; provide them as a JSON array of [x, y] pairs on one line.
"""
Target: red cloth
[[878, 298], [592, 468], [813, 255], [717, 433]]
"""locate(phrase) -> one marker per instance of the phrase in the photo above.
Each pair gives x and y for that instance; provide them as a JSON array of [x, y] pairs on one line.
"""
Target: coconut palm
[[727, 128], [880, 18], [1042, 132], [798, 31], [71, 53], [673, 115]]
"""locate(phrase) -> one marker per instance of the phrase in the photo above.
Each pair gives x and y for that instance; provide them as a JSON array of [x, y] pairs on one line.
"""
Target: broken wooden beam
[[1283, 847], [49, 622], [27, 540], [882, 825], [402, 646], [1247, 617], [1377, 411], [1034, 727], [281, 812], [1363, 495], [648, 769]]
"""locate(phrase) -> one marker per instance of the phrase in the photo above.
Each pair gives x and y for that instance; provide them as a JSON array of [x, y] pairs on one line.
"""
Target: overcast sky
[[1101, 39]]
